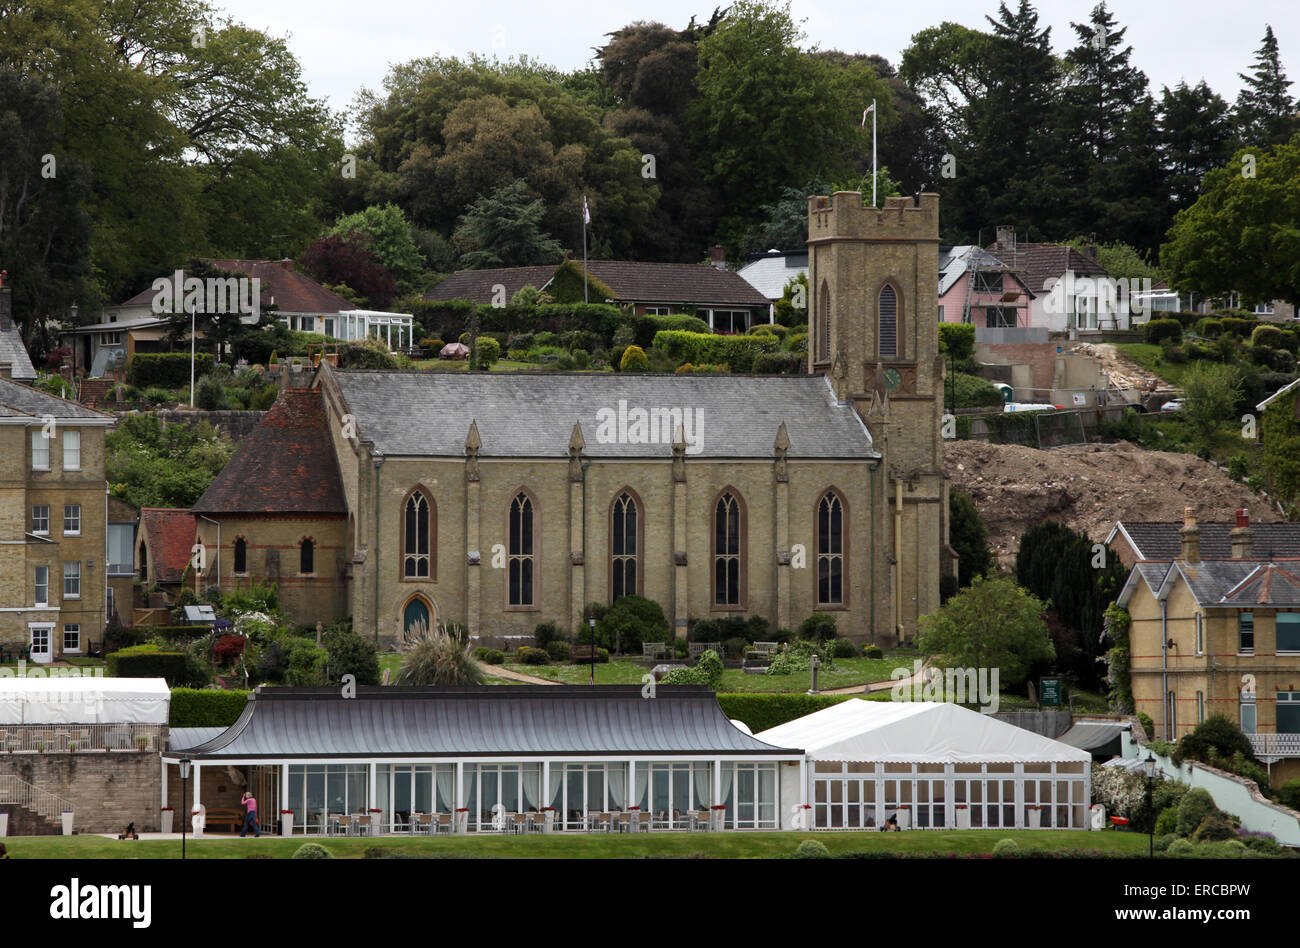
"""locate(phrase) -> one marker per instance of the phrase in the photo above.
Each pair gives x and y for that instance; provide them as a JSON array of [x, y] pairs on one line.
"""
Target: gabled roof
[[1160, 540], [170, 534], [1037, 264], [522, 414], [523, 721], [281, 284], [1224, 583], [770, 272], [916, 732], [954, 262], [22, 404], [287, 465], [631, 281], [1268, 585], [14, 352]]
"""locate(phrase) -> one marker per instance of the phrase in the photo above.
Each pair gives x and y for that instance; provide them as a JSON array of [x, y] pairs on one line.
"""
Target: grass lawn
[[730, 845], [1150, 357]]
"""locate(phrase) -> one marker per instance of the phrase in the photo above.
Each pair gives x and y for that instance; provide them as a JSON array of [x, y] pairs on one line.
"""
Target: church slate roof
[[522, 414], [523, 721], [286, 465], [1160, 540]]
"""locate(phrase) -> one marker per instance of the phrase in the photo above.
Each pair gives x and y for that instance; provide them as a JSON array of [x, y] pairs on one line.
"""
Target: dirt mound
[[1088, 488]]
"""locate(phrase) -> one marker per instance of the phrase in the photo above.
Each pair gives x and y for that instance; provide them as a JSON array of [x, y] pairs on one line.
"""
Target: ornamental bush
[[1006, 847], [1158, 330], [312, 851], [630, 621], [351, 654], [558, 650], [1196, 806], [487, 352], [633, 360], [528, 655], [1167, 821], [545, 633], [708, 671], [873, 651], [812, 849], [1179, 848], [818, 627]]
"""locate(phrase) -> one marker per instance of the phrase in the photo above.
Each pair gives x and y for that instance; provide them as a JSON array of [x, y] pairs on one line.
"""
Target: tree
[[390, 241], [350, 654], [149, 465], [1120, 260], [969, 537], [502, 229], [1212, 390], [1240, 235], [992, 624], [1265, 111], [1195, 138], [348, 259]]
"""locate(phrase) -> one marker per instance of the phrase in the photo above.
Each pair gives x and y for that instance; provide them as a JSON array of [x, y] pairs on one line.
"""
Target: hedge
[[146, 661], [1158, 330], [447, 319], [971, 391], [762, 711], [205, 707], [166, 369], [737, 352]]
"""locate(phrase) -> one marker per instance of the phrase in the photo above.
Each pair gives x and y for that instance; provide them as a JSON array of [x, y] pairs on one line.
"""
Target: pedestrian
[[250, 815]]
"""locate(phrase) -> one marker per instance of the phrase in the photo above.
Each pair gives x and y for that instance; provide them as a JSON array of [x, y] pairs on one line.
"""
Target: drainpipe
[[379, 463], [872, 468], [586, 465], [898, 560], [1164, 665], [210, 520]]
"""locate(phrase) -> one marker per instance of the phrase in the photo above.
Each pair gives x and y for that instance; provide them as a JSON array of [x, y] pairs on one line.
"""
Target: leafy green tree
[[631, 620], [792, 307], [351, 654], [1265, 111], [1212, 390], [503, 229], [969, 537], [1196, 136], [1240, 235], [390, 241], [149, 465], [991, 624], [1121, 261]]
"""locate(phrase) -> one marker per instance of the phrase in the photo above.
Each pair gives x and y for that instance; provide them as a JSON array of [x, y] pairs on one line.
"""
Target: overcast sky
[[346, 44]]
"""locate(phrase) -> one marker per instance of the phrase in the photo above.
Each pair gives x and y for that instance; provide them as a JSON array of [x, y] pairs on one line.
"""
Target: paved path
[[500, 671], [877, 685]]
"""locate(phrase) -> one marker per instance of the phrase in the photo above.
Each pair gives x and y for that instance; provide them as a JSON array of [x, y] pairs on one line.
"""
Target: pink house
[[976, 287]]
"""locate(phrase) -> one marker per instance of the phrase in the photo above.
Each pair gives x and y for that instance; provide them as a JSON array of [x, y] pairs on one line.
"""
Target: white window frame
[[38, 585], [1248, 701], [70, 452], [73, 628], [40, 450], [35, 520], [75, 517], [658, 310], [1200, 634], [1277, 648], [72, 580]]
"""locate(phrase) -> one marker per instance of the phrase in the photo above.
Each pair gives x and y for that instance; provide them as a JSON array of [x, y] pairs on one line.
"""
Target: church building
[[502, 500]]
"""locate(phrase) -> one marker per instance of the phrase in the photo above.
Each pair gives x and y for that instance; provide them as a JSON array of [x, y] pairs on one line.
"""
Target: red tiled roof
[[286, 465], [1038, 263], [632, 282], [281, 284], [170, 533]]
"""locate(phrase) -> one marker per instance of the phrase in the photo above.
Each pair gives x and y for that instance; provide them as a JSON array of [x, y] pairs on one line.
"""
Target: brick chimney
[[6, 303], [1241, 536], [1006, 237], [717, 257], [1191, 535]]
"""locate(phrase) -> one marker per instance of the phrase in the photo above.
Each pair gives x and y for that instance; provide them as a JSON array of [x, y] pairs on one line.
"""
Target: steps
[[27, 822]]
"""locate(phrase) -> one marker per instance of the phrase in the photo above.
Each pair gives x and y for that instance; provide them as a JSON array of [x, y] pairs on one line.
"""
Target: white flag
[[871, 108], [586, 215]]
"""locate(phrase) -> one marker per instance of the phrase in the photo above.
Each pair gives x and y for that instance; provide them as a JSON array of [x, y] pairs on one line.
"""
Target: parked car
[[1173, 405]]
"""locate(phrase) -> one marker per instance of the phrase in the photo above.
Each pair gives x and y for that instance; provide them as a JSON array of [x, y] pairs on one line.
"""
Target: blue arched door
[[417, 610]]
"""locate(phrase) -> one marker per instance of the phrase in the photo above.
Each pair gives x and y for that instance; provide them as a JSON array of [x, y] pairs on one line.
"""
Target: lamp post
[[592, 622], [1150, 765], [184, 766], [193, 318]]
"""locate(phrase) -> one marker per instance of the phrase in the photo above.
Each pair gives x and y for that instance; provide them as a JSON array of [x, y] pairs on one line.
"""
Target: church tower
[[873, 283]]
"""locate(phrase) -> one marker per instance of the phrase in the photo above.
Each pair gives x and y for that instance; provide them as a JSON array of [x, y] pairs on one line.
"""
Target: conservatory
[[930, 765], [550, 758]]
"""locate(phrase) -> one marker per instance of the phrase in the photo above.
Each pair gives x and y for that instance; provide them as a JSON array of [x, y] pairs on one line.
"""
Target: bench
[[696, 649], [583, 653], [224, 816], [762, 649], [654, 650]]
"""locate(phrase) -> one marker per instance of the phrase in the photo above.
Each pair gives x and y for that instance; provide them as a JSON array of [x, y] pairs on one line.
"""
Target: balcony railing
[[61, 738], [1275, 746]]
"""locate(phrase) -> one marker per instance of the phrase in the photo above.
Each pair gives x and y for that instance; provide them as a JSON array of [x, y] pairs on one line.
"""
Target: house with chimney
[[721, 297], [1218, 635], [978, 288], [1070, 290]]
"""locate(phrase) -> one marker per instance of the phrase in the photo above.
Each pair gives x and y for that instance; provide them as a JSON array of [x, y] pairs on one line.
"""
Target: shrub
[[437, 657], [633, 360], [1158, 330], [1162, 842], [778, 363], [166, 369], [630, 621], [312, 851], [1264, 844], [305, 662], [1215, 827], [706, 630], [558, 650], [210, 394], [844, 648], [581, 358], [1196, 806], [737, 352], [873, 651], [1167, 821], [734, 647], [971, 391], [351, 654], [1272, 337], [1180, 848], [812, 849], [798, 657], [1172, 354], [229, 648], [1006, 847], [818, 627], [1147, 723], [1209, 327], [487, 352], [528, 655], [1215, 738], [205, 707], [1237, 326], [1289, 794], [545, 633], [708, 671], [147, 661], [369, 353], [798, 343], [760, 711]]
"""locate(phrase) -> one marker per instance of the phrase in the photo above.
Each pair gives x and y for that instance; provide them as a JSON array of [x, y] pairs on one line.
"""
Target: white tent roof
[[83, 700], [915, 732]]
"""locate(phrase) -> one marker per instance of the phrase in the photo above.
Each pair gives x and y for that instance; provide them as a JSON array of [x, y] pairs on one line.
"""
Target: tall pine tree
[[1265, 111], [1195, 137]]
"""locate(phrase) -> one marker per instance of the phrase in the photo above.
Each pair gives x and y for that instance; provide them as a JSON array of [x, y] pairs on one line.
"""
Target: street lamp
[[184, 766], [1150, 765]]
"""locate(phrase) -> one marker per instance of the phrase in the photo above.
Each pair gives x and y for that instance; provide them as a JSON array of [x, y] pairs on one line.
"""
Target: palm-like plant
[[438, 657]]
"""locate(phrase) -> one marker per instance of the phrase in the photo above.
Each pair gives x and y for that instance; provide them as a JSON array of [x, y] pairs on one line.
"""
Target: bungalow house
[[143, 323], [976, 287], [1219, 636], [1070, 289], [722, 298]]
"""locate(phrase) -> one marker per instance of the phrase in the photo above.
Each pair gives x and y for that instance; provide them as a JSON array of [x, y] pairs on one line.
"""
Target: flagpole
[[873, 154], [584, 261]]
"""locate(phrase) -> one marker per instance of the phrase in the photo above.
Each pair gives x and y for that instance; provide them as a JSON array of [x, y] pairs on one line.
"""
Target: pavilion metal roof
[[519, 721]]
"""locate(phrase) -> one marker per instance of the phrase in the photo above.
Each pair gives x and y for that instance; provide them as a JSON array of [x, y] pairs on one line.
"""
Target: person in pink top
[[250, 814]]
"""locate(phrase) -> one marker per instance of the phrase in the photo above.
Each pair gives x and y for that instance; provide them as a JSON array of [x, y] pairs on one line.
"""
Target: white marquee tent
[[931, 765], [83, 700]]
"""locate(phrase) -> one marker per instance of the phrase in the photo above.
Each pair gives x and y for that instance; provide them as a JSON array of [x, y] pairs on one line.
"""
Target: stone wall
[[235, 425], [106, 790]]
